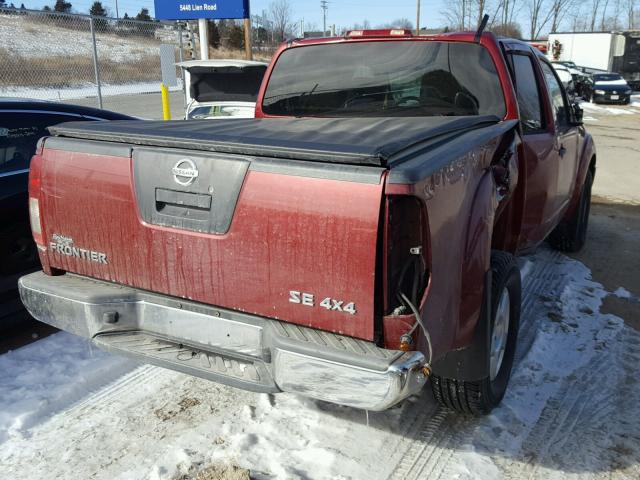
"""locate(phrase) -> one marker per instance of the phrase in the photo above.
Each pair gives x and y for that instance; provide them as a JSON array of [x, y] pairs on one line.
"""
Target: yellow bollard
[[166, 109]]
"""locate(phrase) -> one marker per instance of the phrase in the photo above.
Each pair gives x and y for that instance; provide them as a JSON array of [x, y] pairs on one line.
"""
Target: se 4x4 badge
[[308, 300]]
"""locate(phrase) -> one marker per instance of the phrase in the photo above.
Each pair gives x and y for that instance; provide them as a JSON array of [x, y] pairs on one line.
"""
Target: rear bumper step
[[237, 349]]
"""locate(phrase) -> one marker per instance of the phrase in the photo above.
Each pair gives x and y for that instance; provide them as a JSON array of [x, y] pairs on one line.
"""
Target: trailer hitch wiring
[[407, 337], [415, 260]]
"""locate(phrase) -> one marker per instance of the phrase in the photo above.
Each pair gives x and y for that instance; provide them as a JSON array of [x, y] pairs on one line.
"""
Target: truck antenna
[[483, 25]]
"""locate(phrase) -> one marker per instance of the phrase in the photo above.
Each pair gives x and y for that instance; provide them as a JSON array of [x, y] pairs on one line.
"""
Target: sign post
[[203, 31], [203, 10], [247, 39]]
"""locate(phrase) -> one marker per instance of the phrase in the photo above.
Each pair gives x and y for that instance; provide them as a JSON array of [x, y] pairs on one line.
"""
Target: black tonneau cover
[[361, 141]]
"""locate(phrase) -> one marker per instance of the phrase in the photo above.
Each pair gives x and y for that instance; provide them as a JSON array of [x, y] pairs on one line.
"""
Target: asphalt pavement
[[143, 105]]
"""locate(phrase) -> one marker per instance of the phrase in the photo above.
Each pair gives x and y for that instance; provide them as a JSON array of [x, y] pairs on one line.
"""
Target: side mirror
[[576, 113]]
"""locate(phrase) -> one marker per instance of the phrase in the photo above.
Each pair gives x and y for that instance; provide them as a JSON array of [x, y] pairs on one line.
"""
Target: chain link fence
[[94, 61]]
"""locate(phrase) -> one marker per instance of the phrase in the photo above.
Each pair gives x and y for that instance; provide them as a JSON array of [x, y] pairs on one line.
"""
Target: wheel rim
[[499, 334]]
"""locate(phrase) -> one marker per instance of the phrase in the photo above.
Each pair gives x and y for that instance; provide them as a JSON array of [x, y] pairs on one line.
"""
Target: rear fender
[[495, 193], [477, 257], [468, 358], [586, 161]]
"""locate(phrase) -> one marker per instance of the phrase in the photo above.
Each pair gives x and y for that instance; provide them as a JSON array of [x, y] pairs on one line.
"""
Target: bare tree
[[454, 14], [464, 14], [630, 7], [540, 13], [579, 18], [615, 21], [509, 11], [501, 18], [595, 8], [558, 9], [398, 23], [280, 14], [311, 27], [604, 14], [508, 30], [480, 7], [365, 25]]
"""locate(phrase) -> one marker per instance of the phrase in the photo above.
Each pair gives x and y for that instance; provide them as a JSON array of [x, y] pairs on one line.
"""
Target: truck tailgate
[[295, 241]]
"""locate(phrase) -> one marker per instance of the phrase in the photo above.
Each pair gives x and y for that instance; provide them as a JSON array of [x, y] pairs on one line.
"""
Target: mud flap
[[470, 363]]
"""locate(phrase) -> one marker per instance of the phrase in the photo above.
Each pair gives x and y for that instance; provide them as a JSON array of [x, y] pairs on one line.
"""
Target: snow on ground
[[32, 39], [603, 109], [622, 292], [85, 91], [572, 410]]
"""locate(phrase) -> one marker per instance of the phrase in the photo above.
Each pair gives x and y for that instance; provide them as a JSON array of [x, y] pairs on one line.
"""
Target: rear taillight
[[406, 268], [35, 189], [34, 214], [407, 251]]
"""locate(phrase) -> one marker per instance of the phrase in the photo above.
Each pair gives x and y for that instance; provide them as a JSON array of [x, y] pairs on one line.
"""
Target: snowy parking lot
[[572, 411], [592, 111]]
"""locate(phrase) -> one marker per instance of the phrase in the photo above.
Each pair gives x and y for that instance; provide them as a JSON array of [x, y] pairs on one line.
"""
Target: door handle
[[562, 150]]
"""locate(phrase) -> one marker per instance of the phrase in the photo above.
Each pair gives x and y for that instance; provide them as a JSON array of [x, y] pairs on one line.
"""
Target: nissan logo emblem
[[185, 172]]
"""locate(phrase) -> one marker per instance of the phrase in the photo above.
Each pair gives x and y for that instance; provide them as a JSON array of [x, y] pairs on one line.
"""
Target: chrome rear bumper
[[241, 350]]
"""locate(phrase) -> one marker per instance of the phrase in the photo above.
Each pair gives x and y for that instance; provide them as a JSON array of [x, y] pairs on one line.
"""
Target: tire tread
[[471, 397]]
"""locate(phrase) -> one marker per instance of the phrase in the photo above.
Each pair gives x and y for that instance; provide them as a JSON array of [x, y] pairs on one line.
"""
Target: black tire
[[480, 397], [571, 234], [17, 249]]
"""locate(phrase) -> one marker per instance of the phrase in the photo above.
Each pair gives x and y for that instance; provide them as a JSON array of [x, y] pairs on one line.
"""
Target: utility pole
[[464, 4], [418, 18], [324, 4]]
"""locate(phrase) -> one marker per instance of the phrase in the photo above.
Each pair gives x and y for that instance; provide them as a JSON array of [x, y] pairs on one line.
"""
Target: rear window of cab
[[385, 78]]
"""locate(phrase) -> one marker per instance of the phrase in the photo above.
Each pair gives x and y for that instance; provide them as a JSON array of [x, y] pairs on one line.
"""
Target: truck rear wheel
[[571, 234], [481, 396]]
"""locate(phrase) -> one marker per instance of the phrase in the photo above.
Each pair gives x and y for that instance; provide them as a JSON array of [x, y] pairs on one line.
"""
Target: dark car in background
[[607, 88], [22, 124]]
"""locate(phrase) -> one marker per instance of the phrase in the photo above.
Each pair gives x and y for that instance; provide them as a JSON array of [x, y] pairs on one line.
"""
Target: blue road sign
[[192, 10]]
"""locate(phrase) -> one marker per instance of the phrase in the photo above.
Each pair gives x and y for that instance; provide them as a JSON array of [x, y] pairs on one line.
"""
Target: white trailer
[[593, 50]]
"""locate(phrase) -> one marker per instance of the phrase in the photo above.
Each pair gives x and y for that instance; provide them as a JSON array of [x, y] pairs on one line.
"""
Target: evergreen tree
[[97, 10], [62, 6], [144, 15]]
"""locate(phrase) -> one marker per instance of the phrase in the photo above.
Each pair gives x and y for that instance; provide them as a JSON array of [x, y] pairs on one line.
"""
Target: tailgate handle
[[198, 201]]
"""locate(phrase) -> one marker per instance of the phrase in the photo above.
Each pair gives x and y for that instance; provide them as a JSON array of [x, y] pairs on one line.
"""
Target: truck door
[[538, 148], [565, 139]]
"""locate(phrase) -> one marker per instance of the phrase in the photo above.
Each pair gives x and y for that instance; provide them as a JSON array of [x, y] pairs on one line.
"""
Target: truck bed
[[356, 141]]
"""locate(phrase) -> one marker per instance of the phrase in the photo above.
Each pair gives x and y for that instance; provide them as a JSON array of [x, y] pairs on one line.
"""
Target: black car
[[607, 88], [22, 123]]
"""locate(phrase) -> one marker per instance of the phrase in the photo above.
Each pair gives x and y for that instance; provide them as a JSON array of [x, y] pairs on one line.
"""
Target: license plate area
[[615, 97], [188, 191]]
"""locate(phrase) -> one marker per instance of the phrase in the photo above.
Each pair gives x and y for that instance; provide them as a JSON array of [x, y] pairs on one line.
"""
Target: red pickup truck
[[352, 243]]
